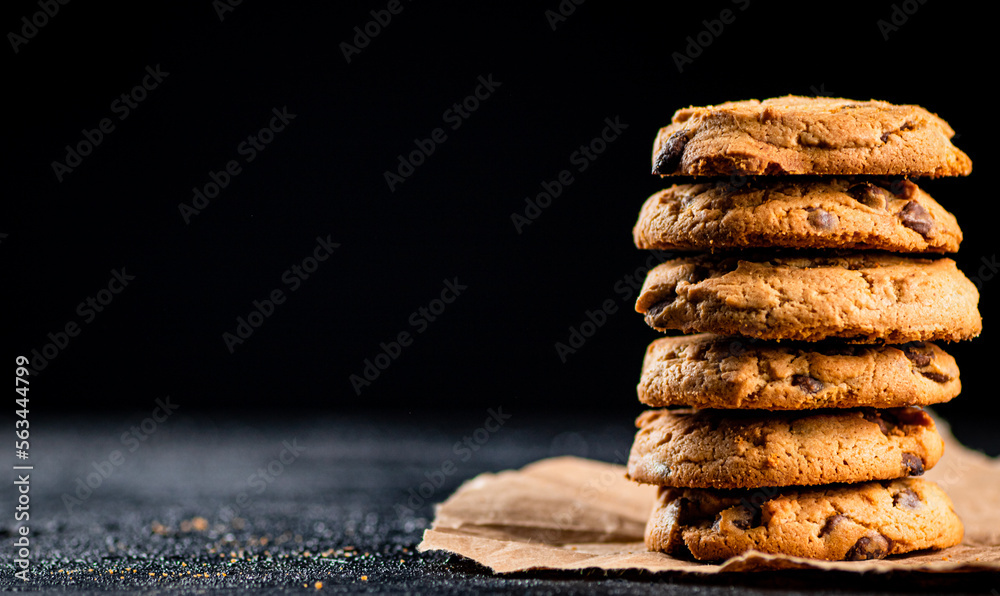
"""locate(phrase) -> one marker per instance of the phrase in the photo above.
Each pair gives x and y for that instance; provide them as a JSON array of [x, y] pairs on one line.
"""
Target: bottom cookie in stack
[[852, 522]]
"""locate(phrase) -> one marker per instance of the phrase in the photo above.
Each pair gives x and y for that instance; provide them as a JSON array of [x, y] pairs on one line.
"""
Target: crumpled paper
[[568, 513]]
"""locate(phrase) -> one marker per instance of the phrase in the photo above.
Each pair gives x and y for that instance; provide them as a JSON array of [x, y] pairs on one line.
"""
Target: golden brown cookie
[[861, 297], [842, 522], [752, 448], [712, 371], [808, 135], [797, 213]]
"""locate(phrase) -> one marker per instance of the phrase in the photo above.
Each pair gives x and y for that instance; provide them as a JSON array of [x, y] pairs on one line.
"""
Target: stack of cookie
[[791, 418]]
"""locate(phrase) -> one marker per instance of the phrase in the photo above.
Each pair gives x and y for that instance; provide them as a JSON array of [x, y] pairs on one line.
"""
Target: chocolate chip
[[907, 417], [653, 314], [831, 524], [889, 416], [937, 377], [807, 383], [903, 188], [685, 511], [868, 194], [917, 218], [746, 516], [918, 358], [670, 154], [656, 309], [907, 499], [869, 547], [876, 417], [821, 218], [912, 464], [905, 127]]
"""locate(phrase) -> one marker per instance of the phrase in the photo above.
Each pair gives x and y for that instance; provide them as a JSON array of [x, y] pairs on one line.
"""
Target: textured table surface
[[206, 503]]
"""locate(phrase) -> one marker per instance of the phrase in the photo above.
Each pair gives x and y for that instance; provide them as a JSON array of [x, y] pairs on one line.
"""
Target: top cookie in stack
[[798, 205], [808, 135]]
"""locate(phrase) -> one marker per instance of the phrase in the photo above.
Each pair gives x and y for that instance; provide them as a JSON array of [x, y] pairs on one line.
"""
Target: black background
[[324, 176]]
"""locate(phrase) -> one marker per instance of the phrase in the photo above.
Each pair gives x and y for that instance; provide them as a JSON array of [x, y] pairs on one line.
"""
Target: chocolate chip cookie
[[808, 135], [843, 522], [750, 449], [861, 297], [711, 371], [797, 213]]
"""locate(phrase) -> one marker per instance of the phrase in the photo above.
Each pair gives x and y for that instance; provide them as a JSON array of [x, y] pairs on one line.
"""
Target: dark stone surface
[[342, 512]]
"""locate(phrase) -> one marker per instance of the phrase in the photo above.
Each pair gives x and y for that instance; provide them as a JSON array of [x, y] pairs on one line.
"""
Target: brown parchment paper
[[568, 513]]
